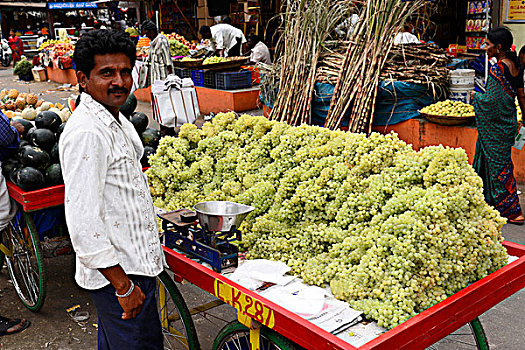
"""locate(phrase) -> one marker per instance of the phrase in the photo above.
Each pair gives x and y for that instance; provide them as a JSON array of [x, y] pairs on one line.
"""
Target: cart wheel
[[471, 336], [235, 336], [177, 326], [25, 266]]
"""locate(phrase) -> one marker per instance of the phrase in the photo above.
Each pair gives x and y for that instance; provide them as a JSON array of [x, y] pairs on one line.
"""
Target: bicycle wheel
[[470, 336], [235, 336], [177, 326], [25, 265]]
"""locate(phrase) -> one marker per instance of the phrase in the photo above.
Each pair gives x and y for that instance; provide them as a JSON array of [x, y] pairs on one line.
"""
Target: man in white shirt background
[[259, 52], [225, 39], [108, 206]]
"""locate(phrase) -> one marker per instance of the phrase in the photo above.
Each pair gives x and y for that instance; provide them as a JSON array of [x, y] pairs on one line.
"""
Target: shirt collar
[[99, 110]]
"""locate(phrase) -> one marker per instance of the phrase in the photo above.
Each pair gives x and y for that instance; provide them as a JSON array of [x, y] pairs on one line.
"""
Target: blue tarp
[[399, 101], [396, 102]]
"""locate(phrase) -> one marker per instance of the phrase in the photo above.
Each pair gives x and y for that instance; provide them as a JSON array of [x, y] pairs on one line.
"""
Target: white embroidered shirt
[[108, 206]]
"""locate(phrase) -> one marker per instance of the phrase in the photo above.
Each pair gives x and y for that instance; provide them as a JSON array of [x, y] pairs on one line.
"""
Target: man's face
[[150, 34], [110, 80]]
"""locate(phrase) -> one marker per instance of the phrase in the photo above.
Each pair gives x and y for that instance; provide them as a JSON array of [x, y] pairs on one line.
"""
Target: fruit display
[[449, 108], [189, 59], [392, 231], [58, 48], [178, 49], [181, 39], [35, 164], [143, 51], [26, 106], [214, 59], [520, 113]]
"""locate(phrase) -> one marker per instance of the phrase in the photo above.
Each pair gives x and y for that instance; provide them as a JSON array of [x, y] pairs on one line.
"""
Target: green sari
[[497, 126]]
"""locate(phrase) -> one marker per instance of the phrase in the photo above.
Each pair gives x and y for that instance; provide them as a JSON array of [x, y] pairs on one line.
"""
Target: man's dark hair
[[101, 42], [149, 26], [205, 30]]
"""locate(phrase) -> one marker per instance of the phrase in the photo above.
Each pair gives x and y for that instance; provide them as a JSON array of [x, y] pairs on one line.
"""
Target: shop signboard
[[515, 11], [72, 5]]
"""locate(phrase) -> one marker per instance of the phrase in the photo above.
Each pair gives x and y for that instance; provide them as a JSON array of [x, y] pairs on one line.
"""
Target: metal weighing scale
[[207, 232]]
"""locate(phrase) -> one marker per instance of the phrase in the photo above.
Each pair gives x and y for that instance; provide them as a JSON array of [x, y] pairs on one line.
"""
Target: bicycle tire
[[178, 328], [26, 266], [475, 338], [237, 336]]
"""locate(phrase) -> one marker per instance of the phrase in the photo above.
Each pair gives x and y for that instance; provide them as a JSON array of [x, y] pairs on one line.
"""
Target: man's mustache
[[118, 90]]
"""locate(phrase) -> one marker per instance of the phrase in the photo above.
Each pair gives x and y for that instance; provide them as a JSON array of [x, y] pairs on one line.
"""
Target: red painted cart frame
[[418, 332], [39, 199]]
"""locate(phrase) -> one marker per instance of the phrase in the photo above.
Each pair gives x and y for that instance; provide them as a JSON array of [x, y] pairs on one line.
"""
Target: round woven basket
[[447, 120]]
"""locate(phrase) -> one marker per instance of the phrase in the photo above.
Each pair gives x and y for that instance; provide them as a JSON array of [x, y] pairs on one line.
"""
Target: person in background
[[17, 46], [225, 39], [258, 50], [9, 139], [107, 202], [521, 90], [497, 126], [405, 36], [159, 53]]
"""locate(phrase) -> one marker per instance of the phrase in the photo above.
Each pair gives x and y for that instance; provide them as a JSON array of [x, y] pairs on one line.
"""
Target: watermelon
[[26, 124], [129, 106], [48, 120], [60, 130], [140, 121], [147, 152], [150, 137], [30, 179], [23, 143], [14, 174], [43, 138], [29, 133], [54, 175], [71, 104], [9, 165], [34, 157], [54, 154]]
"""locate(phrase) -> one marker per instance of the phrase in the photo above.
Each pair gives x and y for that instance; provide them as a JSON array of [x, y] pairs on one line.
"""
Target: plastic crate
[[198, 77], [209, 79], [187, 73], [179, 72], [233, 80]]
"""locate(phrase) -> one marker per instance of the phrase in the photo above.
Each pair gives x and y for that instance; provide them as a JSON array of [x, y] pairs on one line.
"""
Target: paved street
[[52, 328]]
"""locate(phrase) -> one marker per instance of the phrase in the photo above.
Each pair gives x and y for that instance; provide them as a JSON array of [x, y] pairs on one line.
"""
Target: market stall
[[57, 58]]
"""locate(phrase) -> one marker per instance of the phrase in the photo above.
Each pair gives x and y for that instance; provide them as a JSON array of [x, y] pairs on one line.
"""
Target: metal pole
[[157, 20]]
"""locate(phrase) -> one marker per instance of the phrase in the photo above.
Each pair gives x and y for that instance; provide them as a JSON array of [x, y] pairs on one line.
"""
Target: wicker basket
[[447, 120]]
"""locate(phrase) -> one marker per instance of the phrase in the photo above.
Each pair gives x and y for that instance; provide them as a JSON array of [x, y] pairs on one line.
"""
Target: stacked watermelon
[[150, 137], [35, 164]]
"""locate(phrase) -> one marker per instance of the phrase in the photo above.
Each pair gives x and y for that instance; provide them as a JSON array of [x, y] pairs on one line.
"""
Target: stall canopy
[[72, 5]]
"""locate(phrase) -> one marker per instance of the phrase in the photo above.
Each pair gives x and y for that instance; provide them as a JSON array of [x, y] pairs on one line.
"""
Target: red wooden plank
[[39, 199]]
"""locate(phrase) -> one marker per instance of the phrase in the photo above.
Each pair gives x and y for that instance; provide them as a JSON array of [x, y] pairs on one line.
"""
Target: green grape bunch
[[391, 230]]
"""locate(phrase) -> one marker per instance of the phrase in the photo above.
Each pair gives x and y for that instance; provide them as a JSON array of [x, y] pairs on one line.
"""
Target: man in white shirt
[[108, 206], [225, 39], [259, 52]]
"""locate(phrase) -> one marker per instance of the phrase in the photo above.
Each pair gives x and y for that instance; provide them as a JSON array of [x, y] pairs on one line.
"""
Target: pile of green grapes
[[391, 230]]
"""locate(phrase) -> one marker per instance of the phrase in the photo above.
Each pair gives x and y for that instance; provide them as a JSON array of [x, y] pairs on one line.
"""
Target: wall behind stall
[[518, 29]]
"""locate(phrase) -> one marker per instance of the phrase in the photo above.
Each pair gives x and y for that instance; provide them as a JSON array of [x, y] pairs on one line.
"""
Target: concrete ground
[[52, 328]]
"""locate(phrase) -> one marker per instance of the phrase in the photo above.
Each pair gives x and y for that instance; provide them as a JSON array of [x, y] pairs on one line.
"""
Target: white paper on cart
[[252, 274], [335, 316], [361, 334]]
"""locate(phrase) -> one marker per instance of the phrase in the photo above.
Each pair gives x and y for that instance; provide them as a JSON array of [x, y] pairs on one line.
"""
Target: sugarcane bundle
[[365, 57], [307, 24]]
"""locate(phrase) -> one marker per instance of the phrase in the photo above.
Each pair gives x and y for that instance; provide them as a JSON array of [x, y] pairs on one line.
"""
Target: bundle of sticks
[[370, 44], [412, 63]]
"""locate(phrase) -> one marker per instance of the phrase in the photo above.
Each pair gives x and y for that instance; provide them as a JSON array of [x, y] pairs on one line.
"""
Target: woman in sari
[[497, 125], [17, 47]]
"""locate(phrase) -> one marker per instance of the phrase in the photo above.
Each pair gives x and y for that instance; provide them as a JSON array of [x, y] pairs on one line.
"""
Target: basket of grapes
[[188, 62], [222, 63], [449, 113]]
